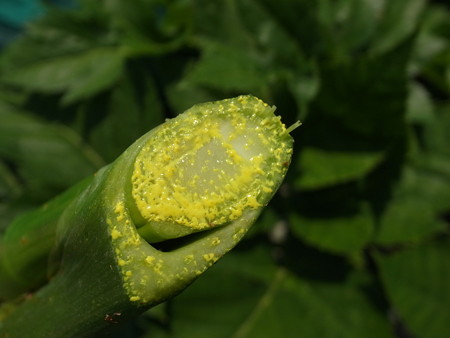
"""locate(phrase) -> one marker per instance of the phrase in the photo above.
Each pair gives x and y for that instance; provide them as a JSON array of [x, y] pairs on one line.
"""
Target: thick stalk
[[210, 170]]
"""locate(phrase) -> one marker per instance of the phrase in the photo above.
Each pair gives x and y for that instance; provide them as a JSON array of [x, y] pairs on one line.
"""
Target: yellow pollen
[[115, 234], [150, 259], [207, 166], [210, 258]]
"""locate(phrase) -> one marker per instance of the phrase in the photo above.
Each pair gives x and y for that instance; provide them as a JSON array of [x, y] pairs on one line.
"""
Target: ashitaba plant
[[94, 182]]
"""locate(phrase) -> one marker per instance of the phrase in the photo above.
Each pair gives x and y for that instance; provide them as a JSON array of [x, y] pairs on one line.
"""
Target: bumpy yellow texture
[[208, 165]]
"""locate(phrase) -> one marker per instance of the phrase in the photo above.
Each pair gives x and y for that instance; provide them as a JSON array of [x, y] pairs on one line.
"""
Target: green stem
[[27, 243], [210, 170]]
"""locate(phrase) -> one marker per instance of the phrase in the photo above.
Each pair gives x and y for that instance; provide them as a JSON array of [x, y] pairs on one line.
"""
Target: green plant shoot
[[196, 184]]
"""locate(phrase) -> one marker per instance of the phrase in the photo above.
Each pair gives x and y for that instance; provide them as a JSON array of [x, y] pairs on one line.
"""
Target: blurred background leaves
[[356, 242]]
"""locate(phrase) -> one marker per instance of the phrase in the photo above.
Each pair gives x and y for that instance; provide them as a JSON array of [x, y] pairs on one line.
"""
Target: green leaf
[[286, 13], [265, 301], [366, 96], [9, 185], [413, 212], [340, 234], [321, 168], [150, 27], [58, 33], [234, 70], [76, 76], [420, 108], [398, 20], [304, 83], [50, 157], [436, 135], [10, 190], [433, 38], [421, 197], [183, 95], [354, 22], [131, 110], [334, 219], [237, 25], [417, 283]]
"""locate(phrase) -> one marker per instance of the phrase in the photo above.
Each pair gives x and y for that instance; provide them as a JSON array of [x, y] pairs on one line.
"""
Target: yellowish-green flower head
[[209, 165]]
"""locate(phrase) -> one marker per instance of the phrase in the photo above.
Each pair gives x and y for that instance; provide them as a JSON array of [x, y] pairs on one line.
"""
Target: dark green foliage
[[355, 244]]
